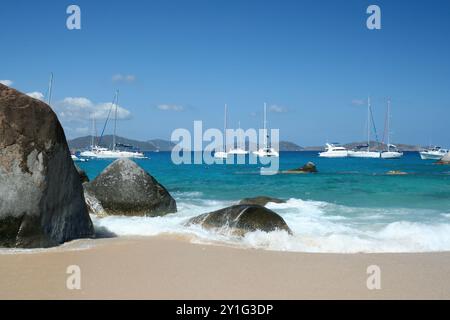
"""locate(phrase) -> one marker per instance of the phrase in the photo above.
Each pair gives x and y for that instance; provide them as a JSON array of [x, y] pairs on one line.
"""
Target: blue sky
[[179, 61]]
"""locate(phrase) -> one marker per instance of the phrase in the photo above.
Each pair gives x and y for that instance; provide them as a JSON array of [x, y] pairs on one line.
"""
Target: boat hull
[[431, 156], [364, 154], [391, 155], [334, 154]]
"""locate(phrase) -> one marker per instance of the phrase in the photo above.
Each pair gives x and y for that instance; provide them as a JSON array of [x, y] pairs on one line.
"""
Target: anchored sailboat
[[359, 152], [391, 152], [223, 153], [104, 153], [266, 150], [240, 149]]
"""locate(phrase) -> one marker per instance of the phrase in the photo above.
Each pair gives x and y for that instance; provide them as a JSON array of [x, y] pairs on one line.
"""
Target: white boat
[[334, 151], [222, 154], [76, 159], [392, 151], [105, 153], [359, 152], [266, 150], [240, 149], [433, 153]]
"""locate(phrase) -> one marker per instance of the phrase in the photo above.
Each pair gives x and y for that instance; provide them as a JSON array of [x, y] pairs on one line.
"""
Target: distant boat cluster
[[333, 150], [265, 151]]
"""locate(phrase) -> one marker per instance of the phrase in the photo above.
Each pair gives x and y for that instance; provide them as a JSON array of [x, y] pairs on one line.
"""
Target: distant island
[[83, 143]]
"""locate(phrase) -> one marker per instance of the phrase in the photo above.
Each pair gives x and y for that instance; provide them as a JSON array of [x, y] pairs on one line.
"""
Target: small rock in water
[[310, 167], [396, 172], [260, 200], [124, 188], [240, 219]]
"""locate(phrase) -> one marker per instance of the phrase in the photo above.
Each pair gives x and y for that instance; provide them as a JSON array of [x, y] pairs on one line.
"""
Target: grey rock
[[83, 175], [124, 188], [260, 200], [240, 219], [41, 196], [310, 167]]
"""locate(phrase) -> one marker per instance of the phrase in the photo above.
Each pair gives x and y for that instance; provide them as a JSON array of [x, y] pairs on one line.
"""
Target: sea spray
[[317, 227]]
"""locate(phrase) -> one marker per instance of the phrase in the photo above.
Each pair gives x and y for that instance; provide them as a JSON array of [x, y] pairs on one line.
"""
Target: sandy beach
[[167, 267]]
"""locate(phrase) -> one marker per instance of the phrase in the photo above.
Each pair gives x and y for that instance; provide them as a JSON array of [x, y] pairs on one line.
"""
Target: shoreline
[[171, 267]]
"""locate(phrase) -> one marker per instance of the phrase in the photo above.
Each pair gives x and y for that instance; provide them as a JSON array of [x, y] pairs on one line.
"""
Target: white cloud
[[82, 109], [277, 109], [170, 107], [82, 130], [7, 82], [358, 102], [36, 95], [123, 78]]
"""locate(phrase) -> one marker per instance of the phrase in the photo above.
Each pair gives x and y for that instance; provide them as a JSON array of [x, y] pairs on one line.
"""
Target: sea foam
[[317, 227]]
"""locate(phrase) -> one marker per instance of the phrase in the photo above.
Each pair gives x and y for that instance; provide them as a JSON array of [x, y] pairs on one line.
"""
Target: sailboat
[[240, 149], [266, 150], [104, 153], [391, 152], [223, 153], [359, 152]]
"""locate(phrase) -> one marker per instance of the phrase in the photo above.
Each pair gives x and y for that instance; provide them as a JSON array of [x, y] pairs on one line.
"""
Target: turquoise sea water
[[351, 205]]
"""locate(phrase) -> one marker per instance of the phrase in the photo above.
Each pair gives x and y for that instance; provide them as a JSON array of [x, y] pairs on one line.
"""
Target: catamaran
[[104, 153], [359, 152], [334, 150], [266, 150], [223, 153], [391, 152]]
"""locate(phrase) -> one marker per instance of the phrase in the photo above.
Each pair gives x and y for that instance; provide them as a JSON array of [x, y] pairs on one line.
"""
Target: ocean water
[[350, 206]]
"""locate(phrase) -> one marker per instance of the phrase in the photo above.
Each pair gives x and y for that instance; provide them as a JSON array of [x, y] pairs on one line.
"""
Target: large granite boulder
[[41, 197], [240, 219], [260, 200], [124, 188]]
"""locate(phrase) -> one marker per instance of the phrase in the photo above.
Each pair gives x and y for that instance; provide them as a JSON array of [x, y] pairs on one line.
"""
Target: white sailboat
[[105, 153], [223, 153], [266, 150], [240, 149], [359, 153], [391, 152]]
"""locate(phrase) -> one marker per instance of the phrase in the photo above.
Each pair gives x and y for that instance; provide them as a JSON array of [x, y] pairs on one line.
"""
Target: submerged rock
[[260, 200], [396, 173], [310, 167], [41, 196], [124, 188], [240, 219]]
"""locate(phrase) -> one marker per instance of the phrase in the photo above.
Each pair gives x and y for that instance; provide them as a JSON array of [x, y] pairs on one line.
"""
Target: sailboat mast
[[116, 101], [368, 124], [93, 131], [225, 129], [50, 87], [388, 124], [265, 125]]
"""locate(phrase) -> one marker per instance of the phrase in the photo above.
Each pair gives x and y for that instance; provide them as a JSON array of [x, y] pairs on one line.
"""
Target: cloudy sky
[[176, 61]]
